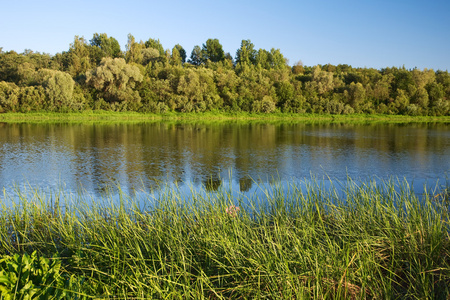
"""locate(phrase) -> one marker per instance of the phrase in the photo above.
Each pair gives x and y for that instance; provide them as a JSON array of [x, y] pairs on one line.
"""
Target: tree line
[[146, 77]]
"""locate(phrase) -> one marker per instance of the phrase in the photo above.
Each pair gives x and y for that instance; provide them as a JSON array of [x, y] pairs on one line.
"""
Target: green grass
[[375, 240], [108, 116]]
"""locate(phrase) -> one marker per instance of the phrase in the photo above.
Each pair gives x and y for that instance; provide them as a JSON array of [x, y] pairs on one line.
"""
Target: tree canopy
[[148, 78]]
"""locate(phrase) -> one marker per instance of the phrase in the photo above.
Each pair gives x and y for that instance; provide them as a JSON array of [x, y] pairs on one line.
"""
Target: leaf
[[4, 279]]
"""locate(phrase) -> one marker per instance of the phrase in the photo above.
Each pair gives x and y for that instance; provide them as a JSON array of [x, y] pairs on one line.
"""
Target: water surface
[[92, 157]]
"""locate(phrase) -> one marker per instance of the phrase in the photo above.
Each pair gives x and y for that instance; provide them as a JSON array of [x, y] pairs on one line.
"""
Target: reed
[[369, 240]]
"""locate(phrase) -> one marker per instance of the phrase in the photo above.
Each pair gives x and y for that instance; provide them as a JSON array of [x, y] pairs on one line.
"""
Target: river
[[93, 157]]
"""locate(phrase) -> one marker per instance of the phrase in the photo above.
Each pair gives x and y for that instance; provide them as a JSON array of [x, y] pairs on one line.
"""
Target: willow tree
[[59, 89], [322, 80], [8, 97], [114, 79]]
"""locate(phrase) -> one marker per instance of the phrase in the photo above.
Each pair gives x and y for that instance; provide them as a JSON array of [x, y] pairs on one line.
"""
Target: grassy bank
[[373, 241], [108, 116]]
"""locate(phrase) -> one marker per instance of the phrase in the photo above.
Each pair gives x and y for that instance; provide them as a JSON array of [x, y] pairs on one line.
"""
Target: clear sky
[[361, 33]]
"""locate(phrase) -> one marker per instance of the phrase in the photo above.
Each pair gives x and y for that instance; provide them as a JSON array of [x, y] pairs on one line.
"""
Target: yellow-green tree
[[134, 51], [59, 89], [115, 79], [79, 57]]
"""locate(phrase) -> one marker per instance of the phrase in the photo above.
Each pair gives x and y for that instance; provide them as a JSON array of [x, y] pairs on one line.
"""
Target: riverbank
[[372, 240], [108, 116]]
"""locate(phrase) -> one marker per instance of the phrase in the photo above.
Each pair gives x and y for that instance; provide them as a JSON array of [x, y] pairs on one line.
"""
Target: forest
[[98, 75]]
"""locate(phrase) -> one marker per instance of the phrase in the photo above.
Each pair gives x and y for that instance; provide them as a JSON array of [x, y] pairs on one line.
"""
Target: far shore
[[110, 116]]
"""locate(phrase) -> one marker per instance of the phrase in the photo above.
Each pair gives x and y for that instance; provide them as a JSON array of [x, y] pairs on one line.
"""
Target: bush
[[33, 277]]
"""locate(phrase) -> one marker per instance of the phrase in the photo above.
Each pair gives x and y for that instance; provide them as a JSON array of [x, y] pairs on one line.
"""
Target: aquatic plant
[[360, 240]]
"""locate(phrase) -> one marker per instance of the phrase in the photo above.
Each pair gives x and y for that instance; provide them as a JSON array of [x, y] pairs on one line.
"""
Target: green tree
[[175, 58], [422, 78], [263, 59], [285, 92], [115, 80], [149, 55], [181, 51], [9, 63], [357, 95], [109, 45], [134, 52], [33, 98], [155, 44], [246, 54], [277, 60], [298, 68], [213, 51], [266, 105], [196, 56], [9, 100], [197, 91], [59, 89], [27, 74], [323, 80], [79, 57], [400, 103], [435, 92], [420, 98]]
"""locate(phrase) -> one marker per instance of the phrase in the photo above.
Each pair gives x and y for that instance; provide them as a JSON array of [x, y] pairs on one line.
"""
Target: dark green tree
[[196, 56], [109, 46], [213, 51], [155, 44]]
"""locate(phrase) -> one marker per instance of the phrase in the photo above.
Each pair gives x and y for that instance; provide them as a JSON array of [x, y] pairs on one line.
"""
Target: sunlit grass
[[133, 117], [356, 241]]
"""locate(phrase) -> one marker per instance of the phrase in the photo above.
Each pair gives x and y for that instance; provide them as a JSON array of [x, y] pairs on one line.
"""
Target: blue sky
[[361, 33]]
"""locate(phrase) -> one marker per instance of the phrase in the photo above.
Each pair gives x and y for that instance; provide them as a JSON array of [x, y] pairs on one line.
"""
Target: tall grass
[[355, 241]]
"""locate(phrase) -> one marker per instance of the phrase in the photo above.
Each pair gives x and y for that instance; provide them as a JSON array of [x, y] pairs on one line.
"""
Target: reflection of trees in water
[[245, 184], [145, 154], [212, 184]]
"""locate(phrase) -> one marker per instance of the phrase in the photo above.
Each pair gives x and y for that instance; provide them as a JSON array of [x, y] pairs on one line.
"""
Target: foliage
[[213, 51], [181, 51], [155, 44], [196, 56], [33, 277], [374, 240], [115, 80], [110, 46], [246, 54], [236, 86], [59, 89]]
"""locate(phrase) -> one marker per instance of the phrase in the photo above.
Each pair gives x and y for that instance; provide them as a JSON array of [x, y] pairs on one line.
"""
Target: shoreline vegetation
[[148, 78], [374, 239], [110, 116]]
